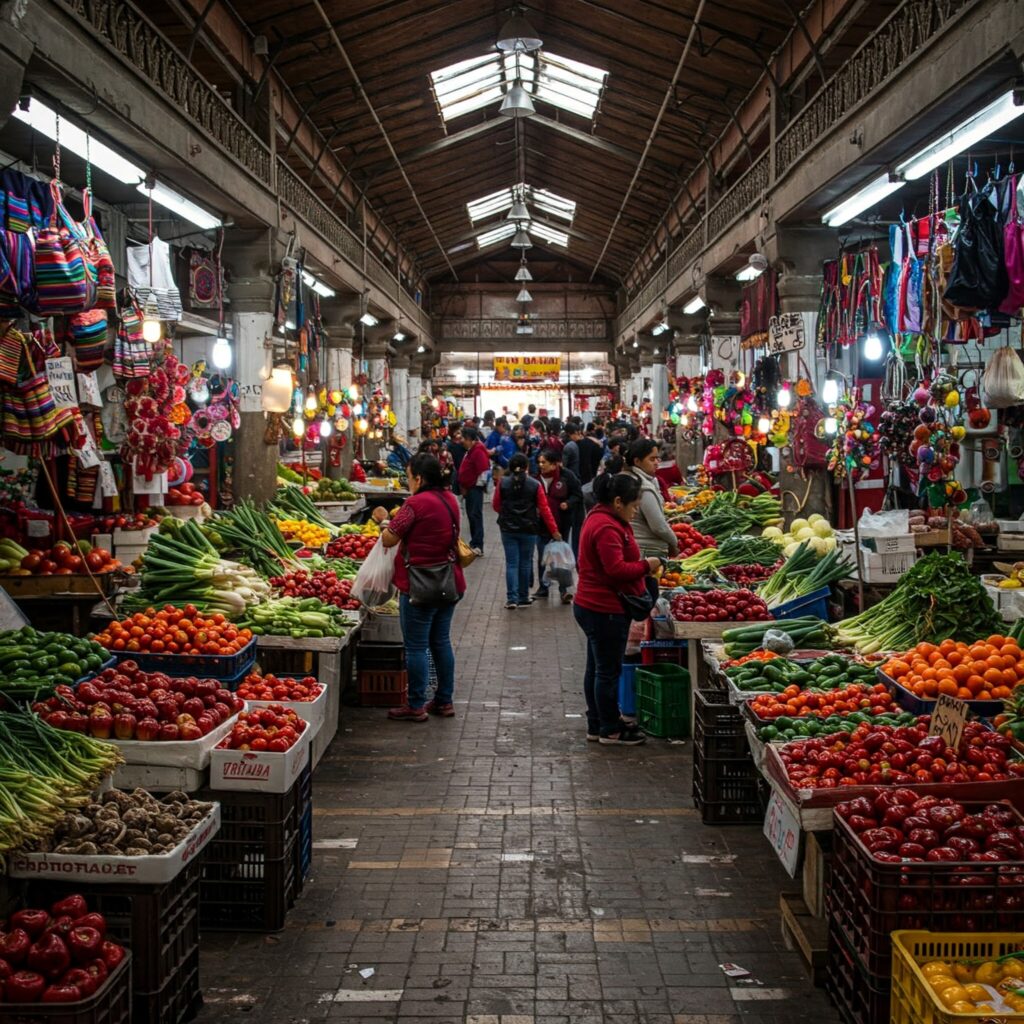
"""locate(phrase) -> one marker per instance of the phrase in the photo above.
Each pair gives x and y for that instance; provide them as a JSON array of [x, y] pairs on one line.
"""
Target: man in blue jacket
[[500, 444]]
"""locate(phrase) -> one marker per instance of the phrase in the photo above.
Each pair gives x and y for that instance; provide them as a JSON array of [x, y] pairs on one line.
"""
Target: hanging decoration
[[855, 449]]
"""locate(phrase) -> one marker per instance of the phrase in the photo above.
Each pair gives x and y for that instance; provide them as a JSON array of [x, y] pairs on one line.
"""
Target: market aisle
[[497, 869]]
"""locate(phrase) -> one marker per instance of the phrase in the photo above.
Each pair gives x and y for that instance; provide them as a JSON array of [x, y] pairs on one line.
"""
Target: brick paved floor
[[495, 868]]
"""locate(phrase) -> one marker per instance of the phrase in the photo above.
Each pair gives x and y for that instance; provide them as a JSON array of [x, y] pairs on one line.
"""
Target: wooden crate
[[817, 866]]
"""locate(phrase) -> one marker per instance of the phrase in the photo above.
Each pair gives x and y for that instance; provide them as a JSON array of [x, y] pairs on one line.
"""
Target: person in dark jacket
[[591, 452], [564, 496], [521, 508], [609, 565], [454, 448], [472, 481]]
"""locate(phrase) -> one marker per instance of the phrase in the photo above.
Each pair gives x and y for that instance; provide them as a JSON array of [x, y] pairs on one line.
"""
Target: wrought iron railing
[[504, 329]]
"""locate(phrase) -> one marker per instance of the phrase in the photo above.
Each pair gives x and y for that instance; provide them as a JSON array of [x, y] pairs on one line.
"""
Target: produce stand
[[691, 631], [339, 512]]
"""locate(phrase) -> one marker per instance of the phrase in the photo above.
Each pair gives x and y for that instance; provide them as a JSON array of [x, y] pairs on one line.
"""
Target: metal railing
[[504, 329]]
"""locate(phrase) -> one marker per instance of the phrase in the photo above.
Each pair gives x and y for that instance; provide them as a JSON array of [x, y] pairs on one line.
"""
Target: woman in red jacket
[[609, 565]]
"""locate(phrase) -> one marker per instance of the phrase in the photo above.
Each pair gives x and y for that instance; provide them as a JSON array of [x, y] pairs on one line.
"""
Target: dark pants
[[518, 565], [427, 630], [577, 529], [606, 643], [475, 515]]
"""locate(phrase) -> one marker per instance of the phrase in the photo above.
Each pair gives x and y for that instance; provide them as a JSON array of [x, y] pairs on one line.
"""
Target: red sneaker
[[444, 710], [407, 714]]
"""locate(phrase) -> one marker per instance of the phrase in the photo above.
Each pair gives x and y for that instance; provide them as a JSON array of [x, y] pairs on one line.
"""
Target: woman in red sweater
[[609, 565]]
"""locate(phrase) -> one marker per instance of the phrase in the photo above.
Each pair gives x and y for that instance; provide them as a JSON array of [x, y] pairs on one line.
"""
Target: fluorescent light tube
[[748, 273], [317, 285], [369, 320], [398, 336], [695, 304], [660, 328], [870, 195], [982, 124], [171, 200]]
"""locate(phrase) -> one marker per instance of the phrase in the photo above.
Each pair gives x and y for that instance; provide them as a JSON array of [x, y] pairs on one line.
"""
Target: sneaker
[[567, 599], [625, 738], [593, 737], [407, 714], [479, 552], [540, 594], [444, 710], [511, 605], [526, 603]]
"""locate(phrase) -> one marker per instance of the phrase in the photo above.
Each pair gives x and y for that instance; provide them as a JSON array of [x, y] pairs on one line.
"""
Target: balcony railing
[[504, 329]]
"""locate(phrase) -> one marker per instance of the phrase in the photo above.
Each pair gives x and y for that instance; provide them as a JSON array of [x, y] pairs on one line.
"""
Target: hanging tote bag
[[978, 279], [1013, 256], [97, 256], [63, 282], [131, 350], [1003, 382], [88, 333]]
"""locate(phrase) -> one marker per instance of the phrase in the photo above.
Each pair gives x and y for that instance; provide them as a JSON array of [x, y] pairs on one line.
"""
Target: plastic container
[[205, 666], [663, 700], [382, 688], [111, 1003], [914, 1000], [383, 629], [661, 652], [815, 603], [727, 791], [627, 689], [924, 706], [859, 997], [178, 1001], [718, 729]]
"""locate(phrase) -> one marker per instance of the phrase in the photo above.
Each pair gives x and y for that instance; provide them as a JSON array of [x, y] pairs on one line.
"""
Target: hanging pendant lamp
[[524, 295], [523, 273], [517, 35], [519, 211], [517, 102], [521, 240]]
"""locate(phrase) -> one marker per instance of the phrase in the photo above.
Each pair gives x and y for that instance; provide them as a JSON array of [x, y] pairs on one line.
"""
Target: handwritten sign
[[61, 375], [89, 454], [783, 831], [89, 390], [785, 333], [108, 483], [949, 719], [250, 397]]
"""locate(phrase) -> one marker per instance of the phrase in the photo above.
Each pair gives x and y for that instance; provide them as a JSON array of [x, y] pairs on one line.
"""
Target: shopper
[[650, 527], [554, 438], [616, 464], [565, 499], [531, 415], [500, 446], [521, 508], [571, 451], [427, 527], [609, 565], [591, 451], [456, 453], [472, 482]]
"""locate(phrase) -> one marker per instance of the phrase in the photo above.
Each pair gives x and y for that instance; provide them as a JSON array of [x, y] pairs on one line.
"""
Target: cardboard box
[[886, 568], [259, 770]]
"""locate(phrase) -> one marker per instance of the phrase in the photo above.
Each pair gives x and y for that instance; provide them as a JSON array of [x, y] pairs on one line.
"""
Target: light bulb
[[311, 402], [677, 407], [831, 426], [152, 329], [685, 420], [325, 427], [691, 403], [362, 425], [763, 425], [830, 391], [872, 347], [200, 394], [298, 426], [784, 397], [353, 392], [221, 355], [358, 408]]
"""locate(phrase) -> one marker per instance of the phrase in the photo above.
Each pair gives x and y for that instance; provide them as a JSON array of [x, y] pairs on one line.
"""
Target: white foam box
[[174, 753], [159, 778], [257, 769], [149, 870], [134, 536], [312, 711], [1010, 525], [886, 567], [1010, 542], [893, 544]]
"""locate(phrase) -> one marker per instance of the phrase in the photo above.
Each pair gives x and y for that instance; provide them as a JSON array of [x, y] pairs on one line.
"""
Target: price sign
[[108, 483], [949, 719], [88, 455], [61, 375], [783, 831], [250, 397], [785, 333], [89, 389]]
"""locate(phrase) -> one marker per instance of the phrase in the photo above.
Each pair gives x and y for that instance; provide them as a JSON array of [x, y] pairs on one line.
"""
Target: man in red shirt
[[472, 482]]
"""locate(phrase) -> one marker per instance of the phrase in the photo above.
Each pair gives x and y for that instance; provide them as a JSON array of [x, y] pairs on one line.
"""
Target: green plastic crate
[[663, 700]]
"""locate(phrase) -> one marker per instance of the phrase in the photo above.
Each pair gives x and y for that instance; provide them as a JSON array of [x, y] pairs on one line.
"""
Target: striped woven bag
[[88, 333], [63, 281], [97, 256]]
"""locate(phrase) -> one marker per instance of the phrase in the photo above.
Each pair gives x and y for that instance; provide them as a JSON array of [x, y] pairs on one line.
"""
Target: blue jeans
[[427, 629], [606, 643], [475, 515], [518, 563]]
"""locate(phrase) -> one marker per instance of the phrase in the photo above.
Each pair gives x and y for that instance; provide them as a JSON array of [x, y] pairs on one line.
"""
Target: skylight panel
[[497, 234], [468, 85], [549, 234], [549, 202], [488, 206], [569, 84]]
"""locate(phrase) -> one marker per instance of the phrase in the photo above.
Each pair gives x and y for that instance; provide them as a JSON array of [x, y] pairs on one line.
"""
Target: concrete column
[[400, 395], [659, 388], [689, 447]]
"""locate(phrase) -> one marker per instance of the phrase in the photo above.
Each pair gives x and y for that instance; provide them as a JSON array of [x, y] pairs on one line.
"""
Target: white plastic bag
[[1003, 381], [559, 564], [373, 583]]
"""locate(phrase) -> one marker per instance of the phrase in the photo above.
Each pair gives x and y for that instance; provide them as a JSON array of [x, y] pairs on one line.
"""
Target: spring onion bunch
[[802, 574], [736, 550], [292, 503], [249, 533]]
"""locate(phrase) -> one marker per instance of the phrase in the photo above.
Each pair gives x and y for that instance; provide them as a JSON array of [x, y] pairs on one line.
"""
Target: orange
[[1001, 692], [996, 640], [897, 669], [947, 645], [954, 657], [994, 661], [975, 683], [1009, 677], [948, 686], [940, 664], [926, 649], [993, 675], [984, 695], [961, 673], [1010, 648], [964, 694]]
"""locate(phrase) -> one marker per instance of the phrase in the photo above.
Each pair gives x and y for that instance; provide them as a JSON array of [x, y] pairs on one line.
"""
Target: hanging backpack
[[63, 281], [978, 279]]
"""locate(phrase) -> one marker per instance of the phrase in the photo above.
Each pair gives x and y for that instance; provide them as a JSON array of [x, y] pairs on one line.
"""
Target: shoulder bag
[[433, 585]]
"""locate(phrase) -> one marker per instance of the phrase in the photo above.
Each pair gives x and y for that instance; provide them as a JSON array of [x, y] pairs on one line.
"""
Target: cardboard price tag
[[89, 390], [61, 375], [783, 831], [108, 482], [949, 719], [785, 333]]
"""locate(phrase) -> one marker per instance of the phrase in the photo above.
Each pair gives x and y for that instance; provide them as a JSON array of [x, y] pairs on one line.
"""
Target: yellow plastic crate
[[913, 1000]]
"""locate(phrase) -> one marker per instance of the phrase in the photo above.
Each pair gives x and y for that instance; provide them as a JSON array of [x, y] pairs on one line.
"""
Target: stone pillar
[[659, 388], [400, 396], [689, 444]]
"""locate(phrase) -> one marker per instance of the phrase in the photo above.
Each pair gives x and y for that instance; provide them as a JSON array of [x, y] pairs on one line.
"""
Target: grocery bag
[[373, 583], [1003, 380], [559, 564]]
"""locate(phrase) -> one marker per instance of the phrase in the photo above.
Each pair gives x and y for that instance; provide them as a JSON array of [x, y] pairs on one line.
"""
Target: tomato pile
[[794, 702], [745, 575], [56, 956], [273, 729], [273, 688], [126, 703], [185, 494], [322, 584], [691, 540], [719, 606], [175, 631], [901, 825], [353, 545], [129, 521], [986, 670], [881, 754], [64, 560]]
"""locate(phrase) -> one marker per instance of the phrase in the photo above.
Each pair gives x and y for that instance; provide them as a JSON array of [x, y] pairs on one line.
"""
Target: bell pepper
[[24, 987], [34, 922], [85, 944], [61, 992], [49, 955], [14, 946], [74, 906]]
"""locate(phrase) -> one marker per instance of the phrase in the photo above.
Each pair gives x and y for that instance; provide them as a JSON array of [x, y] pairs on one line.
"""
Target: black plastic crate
[[111, 1003], [719, 731], [380, 656], [177, 1002], [859, 997], [726, 791], [304, 812]]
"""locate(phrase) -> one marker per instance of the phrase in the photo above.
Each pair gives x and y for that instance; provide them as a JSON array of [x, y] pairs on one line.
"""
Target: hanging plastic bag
[[373, 583], [559, 564], [1003, 381], [980, 514]]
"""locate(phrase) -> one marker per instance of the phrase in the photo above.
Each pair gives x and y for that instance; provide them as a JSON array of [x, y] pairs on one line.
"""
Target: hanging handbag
[[88, 333], [1013, 256], [978, 279], [434, 585], [63, 282], [98, 257]]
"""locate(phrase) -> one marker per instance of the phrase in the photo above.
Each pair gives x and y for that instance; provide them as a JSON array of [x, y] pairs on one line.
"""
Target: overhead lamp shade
[[518, 211], [517, 102], [517, 34], [523, 274], [521, 240], [524, 295]]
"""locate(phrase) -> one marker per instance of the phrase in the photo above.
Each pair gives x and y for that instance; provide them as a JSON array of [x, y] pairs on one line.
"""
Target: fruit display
[[1010, 721], [311, 535], [718, 606], [283, 689], [324, 585], [58, 955], [691, 540], [979, 985], [273, 729], [352, 545], [33, 663], [128, 521], [747, 575], [674, 576], [815, 531], [833, 672], [370, 529], [121, 824], [806, 632], [65, 559], [298, 617], [126, 703], [184, 494], [174, 631], [11, 555], [333, 490], [867, 700], [293, 503], [989, 669], [883, 754]]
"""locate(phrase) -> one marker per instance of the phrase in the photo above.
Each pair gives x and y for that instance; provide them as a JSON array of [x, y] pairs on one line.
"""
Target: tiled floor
[[497, 869]]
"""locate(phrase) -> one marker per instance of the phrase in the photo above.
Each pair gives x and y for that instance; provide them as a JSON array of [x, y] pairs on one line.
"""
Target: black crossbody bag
[[433, 585]]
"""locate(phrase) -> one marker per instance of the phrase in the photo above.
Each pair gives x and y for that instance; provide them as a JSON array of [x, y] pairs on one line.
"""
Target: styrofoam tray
[[150, 870], [159, 778], [312, 711], [259, 770], [175, 753]]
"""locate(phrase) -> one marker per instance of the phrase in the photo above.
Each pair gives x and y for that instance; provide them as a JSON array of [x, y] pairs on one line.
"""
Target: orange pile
[[985, 670]]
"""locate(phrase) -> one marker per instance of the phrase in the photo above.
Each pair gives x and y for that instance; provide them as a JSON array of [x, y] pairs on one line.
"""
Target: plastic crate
[[663, 700], [383, 688], [205, 666], [867, 899], [728, 792], [111, 1003], [662, 652], [380, 656], [913, 999], [923, 706], [627, 689], [379, 628], [859, 997], [815, 603], [304, 812], [718, 729], [178, 1001]]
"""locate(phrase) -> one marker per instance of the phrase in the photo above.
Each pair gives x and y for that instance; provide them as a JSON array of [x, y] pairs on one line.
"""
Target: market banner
[[527, 368]]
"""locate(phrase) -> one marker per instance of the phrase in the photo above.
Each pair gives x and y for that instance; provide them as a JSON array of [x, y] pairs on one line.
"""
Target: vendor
[[399, 456]]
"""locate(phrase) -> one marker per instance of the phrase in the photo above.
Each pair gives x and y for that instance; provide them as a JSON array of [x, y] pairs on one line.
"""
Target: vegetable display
[[273, 729], [334, 490], [806, 632], [33, 663], [311, 535], [833, 672], [691, 540], [323, 584], [352, 545], [718, 606], [802, 573], [978, 986], [736, 550], [55, 956], [749, 575], [11, 555], [795, 702], [987, 670], [283, 689], [122, 824], [937, 599], [174, 631], [128, 704], [815, 531], [184, 494], [297, 617], [785, 728], [881, 754], [292, 503], [1011, 721], [64, 559], [249, 533]]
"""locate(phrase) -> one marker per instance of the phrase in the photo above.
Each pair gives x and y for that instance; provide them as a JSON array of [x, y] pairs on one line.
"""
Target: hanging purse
[[88, 332], [1013, 256], [97, 256], [978, 279], [63, 282], [434, 585]]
